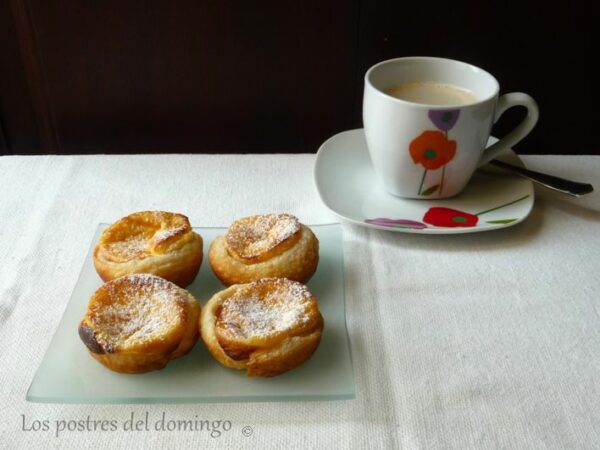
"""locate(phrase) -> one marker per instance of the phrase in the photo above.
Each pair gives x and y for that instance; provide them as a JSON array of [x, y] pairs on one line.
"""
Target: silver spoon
[[573, 188]]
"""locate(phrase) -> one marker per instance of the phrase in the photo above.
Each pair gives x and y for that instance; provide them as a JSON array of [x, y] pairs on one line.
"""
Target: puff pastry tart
[[138, 323], [266, 327], [156, 242], [262, 246]]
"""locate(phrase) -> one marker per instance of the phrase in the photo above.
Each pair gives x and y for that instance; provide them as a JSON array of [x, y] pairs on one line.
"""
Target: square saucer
[[347, 184], [68, 374]]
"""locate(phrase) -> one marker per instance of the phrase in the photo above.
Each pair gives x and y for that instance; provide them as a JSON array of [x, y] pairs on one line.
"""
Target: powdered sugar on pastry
[[134, 309], [141, 234], [130, 248], [252, 236], [266, 307], [167, 233]]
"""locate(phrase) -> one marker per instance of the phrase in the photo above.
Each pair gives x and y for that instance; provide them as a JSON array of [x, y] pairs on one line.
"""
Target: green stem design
[[502, 206], [422, 181], [443, 168]]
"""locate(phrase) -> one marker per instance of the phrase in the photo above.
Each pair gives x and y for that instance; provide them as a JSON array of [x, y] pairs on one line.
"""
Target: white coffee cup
[[425, 150]]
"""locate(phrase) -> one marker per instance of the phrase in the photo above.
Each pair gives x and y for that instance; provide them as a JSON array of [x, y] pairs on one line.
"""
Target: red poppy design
[[432, 149], [448, 217]]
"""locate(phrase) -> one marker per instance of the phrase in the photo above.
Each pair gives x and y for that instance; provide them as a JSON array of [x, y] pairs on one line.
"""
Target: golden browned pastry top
[[138, 311], [262, 313], [256, 238], [143, 234]]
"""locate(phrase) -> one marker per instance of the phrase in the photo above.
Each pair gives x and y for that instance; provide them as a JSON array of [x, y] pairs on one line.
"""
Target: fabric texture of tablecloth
[[485, 340]]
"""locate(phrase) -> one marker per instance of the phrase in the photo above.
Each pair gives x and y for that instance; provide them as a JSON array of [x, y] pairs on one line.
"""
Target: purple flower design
[[397, 223], [444, 119]]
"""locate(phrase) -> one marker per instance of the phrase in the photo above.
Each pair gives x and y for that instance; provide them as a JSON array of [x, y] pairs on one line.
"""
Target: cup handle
[[523, 129]]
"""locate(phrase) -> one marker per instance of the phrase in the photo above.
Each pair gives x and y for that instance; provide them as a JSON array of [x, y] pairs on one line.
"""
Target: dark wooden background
[[273, 76]]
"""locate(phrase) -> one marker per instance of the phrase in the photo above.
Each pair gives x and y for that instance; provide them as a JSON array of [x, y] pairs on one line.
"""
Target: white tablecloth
[[486, 340]]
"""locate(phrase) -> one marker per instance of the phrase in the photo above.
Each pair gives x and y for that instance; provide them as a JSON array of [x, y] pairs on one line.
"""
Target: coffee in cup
[[431, 93]]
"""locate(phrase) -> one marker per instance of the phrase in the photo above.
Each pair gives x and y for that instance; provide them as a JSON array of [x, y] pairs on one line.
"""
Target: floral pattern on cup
[[432, 148], [444, 119], [443, 217]]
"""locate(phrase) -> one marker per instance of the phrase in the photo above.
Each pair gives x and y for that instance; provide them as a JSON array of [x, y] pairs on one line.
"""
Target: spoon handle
[[550, 181]]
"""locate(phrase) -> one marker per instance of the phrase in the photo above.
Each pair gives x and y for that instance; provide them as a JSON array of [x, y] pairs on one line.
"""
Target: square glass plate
[[68, 374]]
